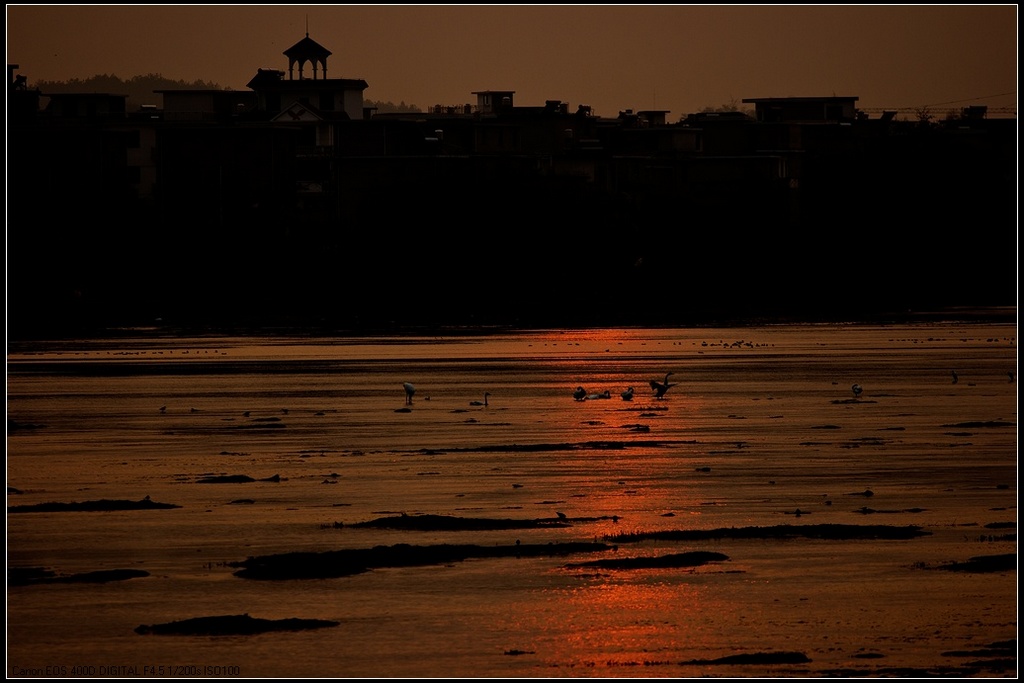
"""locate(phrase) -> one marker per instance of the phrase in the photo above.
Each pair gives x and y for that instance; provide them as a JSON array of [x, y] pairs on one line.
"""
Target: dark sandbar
[[984, 564], [25, 576], [555, 447], [94, 506], [338, 563], [838, 532], [756, 658], [231, 625], [995, 658], [449, 523], [672, 561], [982, 424], [234, 479]]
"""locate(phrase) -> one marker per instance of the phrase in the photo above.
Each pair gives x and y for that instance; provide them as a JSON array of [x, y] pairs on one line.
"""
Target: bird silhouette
[[409, 391], [627, 395], [661, 387], [857, 390], [579, 394], [604, 394], [481, 403], [955, 377]]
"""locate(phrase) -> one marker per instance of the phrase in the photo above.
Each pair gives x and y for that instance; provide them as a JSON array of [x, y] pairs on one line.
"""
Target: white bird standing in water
[[627, 395], [659, 387], [481, 403], [409, 391]]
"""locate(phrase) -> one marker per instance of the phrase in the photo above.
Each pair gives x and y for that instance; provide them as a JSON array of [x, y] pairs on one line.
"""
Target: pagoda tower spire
[[307, 50]]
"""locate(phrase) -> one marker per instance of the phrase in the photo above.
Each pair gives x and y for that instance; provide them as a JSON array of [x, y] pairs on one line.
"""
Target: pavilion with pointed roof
[[307, 50], [327, 98]]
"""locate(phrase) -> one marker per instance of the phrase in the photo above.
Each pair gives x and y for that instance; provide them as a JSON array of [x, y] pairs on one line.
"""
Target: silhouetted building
[[307, 50], [22, 102], [653, 117], [803, 109], [207, 105], [292, 201], [87, 107], [328, 97], [494, 101]]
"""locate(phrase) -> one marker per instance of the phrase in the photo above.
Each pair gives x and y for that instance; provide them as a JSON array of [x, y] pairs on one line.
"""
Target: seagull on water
[[409, 391], [661, 387]]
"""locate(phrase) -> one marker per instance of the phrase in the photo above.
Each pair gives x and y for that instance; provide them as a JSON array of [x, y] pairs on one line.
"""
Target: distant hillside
[[139, 89]]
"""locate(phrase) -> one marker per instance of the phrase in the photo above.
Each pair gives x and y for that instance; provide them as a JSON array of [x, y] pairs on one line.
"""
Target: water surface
[[760, 429]]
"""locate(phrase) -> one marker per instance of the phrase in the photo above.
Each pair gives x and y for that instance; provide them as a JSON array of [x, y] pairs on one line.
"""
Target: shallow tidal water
[[760, 429]]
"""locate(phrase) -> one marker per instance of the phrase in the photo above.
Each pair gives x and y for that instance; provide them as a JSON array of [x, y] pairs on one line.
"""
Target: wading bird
[[661, 387], [409, 391]]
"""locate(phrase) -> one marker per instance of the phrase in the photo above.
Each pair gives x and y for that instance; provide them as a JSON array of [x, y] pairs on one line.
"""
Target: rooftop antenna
[[307, 26]]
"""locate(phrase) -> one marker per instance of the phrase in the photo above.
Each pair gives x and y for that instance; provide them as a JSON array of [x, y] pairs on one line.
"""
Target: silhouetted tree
[[392, 108], [139, 89], [731, 105], [924, 116]]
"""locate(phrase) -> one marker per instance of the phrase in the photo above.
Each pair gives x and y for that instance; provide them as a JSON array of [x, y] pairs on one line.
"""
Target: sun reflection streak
[[632, 618]]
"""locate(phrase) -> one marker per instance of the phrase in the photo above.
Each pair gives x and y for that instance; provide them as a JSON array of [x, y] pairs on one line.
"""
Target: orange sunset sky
[[677, 58]]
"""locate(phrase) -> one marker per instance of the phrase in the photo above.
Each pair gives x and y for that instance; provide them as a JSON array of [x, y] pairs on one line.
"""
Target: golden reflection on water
[[632, 618], [762, 422]]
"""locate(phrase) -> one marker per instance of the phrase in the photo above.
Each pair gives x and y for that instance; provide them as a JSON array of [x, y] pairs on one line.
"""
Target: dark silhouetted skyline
[[668, 57]]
